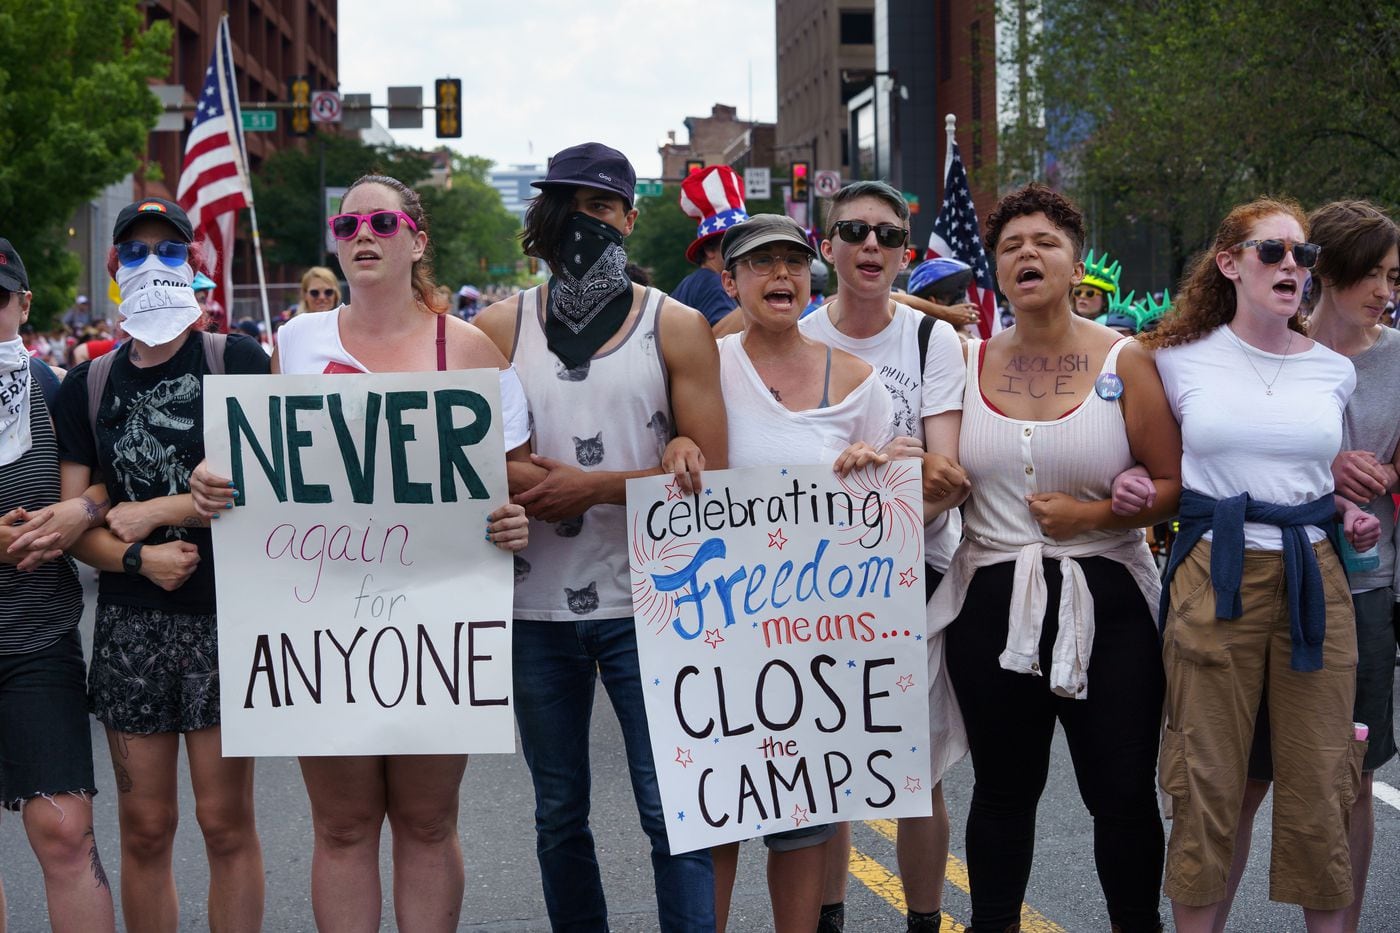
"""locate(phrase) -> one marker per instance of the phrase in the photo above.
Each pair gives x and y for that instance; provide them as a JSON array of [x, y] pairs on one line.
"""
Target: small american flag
[[957, 233], [214, 176]]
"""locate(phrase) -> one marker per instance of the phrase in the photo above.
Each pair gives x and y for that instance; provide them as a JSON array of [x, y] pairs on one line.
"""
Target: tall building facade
[[826, 56], [864, 87], [513, 183]]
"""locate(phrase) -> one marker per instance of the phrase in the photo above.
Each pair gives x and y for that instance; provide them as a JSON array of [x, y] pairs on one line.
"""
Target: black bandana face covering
[[590, 296]]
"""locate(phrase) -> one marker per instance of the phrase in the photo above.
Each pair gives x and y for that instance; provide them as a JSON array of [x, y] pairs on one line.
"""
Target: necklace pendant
[[1268, 391]]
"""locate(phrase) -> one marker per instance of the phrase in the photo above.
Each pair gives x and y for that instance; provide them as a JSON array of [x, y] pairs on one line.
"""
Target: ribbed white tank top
[[612, 413], [1006, 459]]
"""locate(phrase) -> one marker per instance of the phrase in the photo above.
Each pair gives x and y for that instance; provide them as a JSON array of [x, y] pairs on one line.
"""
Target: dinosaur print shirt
[[150, 436]]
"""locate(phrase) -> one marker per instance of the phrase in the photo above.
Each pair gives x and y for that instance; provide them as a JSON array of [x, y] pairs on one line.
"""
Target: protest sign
[[361, 609], [780, 631]]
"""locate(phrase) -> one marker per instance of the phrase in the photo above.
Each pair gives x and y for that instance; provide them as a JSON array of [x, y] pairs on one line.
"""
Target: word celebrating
[[280, 454], [833, 509]]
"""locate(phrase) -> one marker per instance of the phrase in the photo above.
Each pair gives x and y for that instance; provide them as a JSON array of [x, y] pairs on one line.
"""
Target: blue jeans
[[556, 669]]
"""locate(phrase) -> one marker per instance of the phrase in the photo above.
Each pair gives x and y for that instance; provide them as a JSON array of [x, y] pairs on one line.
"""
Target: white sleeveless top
[[762, 432], [1079, 454], [310, 344], [611, 413]]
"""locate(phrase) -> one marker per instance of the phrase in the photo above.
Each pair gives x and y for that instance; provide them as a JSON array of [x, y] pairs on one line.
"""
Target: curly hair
[[424, 287], [1205, 299], [1355, 236], [1036, 198]]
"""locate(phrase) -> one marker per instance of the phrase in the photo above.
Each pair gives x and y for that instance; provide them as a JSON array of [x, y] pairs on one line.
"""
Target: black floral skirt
[[154, 671]]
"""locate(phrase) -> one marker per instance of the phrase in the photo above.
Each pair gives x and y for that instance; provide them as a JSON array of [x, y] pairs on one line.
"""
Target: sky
[[538, 76]]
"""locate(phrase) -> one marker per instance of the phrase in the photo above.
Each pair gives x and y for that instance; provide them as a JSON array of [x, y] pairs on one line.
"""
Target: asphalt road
[[503, 892]]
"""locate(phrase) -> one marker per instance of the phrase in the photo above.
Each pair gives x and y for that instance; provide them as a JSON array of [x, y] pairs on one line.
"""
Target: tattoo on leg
[[123, 778], [95, 861]]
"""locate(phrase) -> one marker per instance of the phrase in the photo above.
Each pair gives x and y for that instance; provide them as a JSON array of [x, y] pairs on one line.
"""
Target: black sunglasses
[[890, 236], [1271, 251], [320, 292]]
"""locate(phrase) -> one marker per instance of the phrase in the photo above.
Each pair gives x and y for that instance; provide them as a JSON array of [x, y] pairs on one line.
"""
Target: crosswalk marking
[[1386, 793], [1032, 921]]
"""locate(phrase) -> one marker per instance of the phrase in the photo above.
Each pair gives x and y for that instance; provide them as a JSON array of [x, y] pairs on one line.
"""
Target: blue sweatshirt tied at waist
[[1307, 603]]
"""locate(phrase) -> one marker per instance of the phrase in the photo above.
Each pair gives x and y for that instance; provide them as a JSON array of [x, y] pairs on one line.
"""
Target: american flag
[[214, 176], [957, 233]]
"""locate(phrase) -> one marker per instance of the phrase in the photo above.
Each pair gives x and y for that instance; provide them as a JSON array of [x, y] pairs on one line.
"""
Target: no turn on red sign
[[325, 107], [826, 183]]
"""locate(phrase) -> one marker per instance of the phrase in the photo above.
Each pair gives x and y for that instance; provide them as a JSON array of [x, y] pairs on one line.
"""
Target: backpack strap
[[925, 331], [214, 346], [99, 371]]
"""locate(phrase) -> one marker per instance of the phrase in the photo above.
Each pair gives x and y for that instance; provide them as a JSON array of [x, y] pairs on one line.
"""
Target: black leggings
[[1112, 736]]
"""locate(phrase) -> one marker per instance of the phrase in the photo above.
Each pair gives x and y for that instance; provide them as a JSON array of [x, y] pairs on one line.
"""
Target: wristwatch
[[131, 560]]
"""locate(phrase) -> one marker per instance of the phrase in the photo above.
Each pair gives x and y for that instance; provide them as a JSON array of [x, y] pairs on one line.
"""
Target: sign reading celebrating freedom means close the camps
[[361, 609], [780, 629]]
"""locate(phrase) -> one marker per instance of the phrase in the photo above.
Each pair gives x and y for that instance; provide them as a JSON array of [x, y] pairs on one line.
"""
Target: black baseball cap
[[157, 207], [12, 275], [592, 165]]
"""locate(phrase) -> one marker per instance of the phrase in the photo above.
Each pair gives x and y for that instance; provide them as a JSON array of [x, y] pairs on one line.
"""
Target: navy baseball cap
[[12, 275], [592, 165], [153, 207]]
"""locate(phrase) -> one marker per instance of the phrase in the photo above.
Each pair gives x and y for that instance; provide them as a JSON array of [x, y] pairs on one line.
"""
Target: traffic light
[[693, 165], [800, 171], [300, 91], [449, 108]]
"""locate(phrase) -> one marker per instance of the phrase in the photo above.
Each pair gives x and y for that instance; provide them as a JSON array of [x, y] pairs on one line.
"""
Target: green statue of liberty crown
[[1100, 274], [1149, 310], [1123, 304]]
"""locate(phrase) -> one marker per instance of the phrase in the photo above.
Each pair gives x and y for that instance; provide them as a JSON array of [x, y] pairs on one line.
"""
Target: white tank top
[[611, 413], [1078, 454]]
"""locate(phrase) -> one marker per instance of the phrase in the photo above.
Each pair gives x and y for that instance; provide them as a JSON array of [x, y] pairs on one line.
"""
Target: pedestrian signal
[[693, 165], [449, 108]]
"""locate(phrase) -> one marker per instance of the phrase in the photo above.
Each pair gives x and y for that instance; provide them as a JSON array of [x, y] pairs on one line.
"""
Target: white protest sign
[[361, 609], [780, 631]]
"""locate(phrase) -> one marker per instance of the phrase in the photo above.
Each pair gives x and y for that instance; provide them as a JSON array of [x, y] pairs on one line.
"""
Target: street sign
[[826, 183], [171, 97], [649, 189], [406, 108], [259, 121], [355, 112], [325, 107], [758, 183]]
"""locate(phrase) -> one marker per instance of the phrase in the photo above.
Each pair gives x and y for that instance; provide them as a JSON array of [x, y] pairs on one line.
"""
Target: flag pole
[[950, 123], [247, 184]]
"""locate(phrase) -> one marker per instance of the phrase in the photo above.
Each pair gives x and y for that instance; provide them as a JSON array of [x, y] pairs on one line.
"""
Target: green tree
[[288, 191], [474, 236], [75, 109], [1171, 112]]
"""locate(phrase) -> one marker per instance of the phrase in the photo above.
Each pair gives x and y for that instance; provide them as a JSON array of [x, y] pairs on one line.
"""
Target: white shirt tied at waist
[[1074, 642]]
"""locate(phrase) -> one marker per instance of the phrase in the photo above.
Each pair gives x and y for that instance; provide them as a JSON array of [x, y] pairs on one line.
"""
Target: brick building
[[719, 139]]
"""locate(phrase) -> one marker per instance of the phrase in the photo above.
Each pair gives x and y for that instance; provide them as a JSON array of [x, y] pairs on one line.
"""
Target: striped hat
[[715, 197]]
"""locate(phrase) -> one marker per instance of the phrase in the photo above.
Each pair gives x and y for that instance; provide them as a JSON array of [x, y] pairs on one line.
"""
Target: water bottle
[[1356, 561]]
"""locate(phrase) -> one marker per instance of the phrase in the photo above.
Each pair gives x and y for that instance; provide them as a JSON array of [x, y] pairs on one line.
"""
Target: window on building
[[857, 27]]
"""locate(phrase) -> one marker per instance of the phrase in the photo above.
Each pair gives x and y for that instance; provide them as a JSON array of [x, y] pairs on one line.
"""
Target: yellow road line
[[1032, 921]]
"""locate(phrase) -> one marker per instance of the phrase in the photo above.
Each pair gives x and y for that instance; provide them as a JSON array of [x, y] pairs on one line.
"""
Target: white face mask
[[14, 401], [157, 301]]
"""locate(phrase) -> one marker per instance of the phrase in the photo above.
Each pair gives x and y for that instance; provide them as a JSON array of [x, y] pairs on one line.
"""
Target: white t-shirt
[[762, 432], [1236, 438], [310, 343], [894, 353]]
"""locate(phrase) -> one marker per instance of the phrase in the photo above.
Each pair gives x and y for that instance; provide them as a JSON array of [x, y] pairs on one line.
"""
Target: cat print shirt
[[612, 412]]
